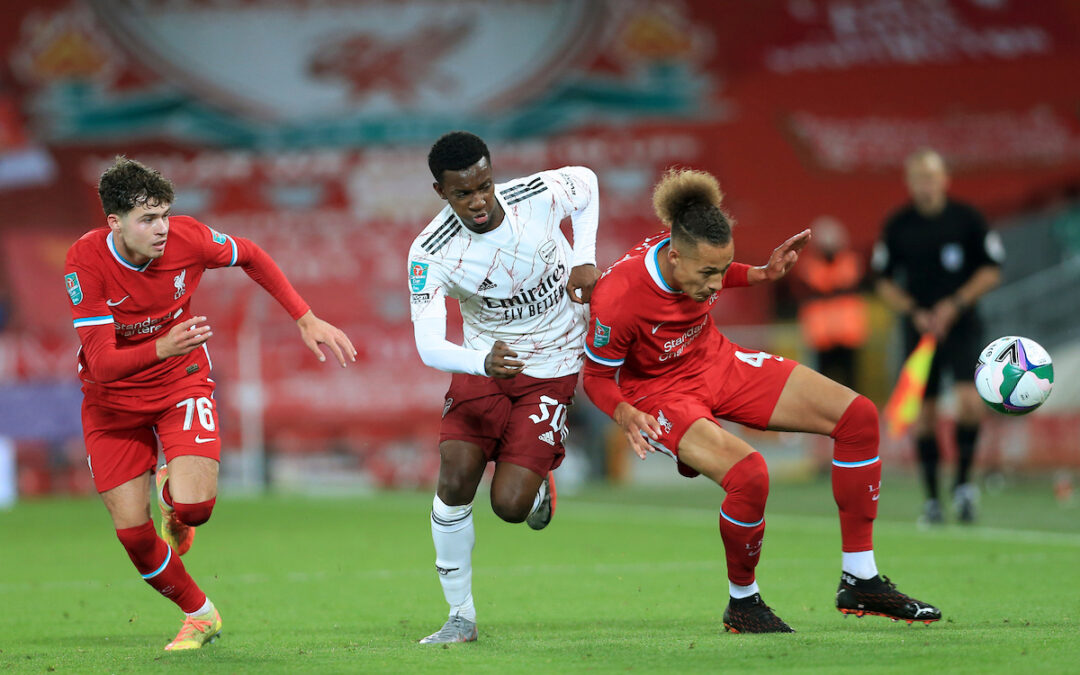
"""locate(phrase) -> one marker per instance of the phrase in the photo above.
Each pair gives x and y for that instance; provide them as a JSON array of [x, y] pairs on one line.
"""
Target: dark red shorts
[[122, 432], [521, 420], [740, 385]]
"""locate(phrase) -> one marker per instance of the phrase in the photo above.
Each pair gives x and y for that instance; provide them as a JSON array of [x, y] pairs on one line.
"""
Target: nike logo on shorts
[[204, 440], [110, 303]]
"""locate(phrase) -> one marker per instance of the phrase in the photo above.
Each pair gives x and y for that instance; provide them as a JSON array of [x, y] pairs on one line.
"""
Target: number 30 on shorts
[[556, 419], [755, 359], [205, 409]]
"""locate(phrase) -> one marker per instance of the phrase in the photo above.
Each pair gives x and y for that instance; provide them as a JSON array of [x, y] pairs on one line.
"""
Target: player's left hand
[[784, 256], [583, 278], [314, 331]]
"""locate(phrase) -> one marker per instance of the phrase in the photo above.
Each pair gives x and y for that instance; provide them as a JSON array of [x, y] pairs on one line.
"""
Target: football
[[1014, 375]]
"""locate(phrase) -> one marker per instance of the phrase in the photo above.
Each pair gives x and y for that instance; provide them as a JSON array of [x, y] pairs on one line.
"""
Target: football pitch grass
[[625, 579]]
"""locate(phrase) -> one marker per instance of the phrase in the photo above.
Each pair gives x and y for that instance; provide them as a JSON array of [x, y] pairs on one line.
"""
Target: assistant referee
[[935, 259]]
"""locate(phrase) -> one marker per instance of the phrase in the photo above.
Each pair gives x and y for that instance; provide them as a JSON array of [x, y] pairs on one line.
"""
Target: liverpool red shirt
[[120, 309], [644, 329]]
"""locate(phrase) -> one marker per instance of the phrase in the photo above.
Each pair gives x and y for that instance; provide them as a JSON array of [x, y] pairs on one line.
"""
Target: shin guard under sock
[[160, 567], [742, 516], [856, 474]]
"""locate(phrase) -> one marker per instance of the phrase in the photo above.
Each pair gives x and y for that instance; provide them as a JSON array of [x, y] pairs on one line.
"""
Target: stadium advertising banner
[[304, 125]]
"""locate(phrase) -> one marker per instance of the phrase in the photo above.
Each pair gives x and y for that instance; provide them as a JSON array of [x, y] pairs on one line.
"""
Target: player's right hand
[[923, 320], [637, 425], [501, 363], [183, 338]]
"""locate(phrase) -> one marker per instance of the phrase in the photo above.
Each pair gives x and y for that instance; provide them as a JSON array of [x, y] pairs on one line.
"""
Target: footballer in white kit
[[499, 250], [511, 281]]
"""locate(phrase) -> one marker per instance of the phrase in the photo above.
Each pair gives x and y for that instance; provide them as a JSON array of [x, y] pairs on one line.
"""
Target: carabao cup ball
[[1014, 375]]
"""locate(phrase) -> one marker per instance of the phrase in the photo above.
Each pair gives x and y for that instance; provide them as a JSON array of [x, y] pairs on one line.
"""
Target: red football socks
[[160, 566], [742, 516], [856, 474]]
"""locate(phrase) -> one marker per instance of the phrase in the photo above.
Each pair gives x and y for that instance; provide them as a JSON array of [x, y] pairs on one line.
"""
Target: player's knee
[[859, 423], [194, 514], [748, 480], [510, 509], [455, 489]]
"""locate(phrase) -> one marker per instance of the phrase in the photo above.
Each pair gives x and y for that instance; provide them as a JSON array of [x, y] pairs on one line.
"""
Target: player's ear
[[672, 254], [114, 222], [438, 190]]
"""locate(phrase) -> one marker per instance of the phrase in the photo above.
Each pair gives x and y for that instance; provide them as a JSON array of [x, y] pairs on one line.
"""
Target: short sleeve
[[883, 260], [984, 247], [219, 249], [86, 295], [609, 335]]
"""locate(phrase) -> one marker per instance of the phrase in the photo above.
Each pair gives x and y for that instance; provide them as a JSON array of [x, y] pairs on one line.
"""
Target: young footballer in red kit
[[145, 370], [659, 367]]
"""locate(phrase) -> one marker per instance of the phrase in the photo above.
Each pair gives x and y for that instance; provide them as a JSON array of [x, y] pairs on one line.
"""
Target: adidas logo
[[486, 285], [547, 437]]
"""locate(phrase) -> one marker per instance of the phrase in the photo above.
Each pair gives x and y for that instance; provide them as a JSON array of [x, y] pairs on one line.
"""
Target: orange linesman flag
[[903, 405]]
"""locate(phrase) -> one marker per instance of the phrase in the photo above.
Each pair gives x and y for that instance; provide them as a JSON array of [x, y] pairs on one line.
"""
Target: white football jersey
[[511, 281]]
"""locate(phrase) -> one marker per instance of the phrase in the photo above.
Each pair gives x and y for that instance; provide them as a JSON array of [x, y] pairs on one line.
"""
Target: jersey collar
[[652, 263], [120, 259]]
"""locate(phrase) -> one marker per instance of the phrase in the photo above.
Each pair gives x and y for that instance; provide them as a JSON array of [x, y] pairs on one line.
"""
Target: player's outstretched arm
[[583, 278], [781, 261], [183, 338], [314, 332]]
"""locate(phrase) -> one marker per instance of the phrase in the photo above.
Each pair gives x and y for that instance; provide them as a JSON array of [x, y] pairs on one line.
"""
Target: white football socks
[[861, 564], [207, 606], [539, 499], [738, 592], [454, 537]]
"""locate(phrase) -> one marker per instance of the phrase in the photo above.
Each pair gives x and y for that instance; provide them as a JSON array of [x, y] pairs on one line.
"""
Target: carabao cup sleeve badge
[[602, 335], [417, 276], [73, 288]]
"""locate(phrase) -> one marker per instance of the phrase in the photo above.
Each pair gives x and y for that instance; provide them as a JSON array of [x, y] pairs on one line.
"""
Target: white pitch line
[[586, 510]]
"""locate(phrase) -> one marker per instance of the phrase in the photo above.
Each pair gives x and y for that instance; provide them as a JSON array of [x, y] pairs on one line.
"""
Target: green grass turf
[[626, 579]]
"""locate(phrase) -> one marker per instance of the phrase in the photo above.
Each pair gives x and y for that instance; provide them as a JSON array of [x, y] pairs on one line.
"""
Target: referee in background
[[935, 259]]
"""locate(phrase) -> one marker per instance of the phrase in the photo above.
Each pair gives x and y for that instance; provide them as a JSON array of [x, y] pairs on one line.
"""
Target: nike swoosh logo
[[110, 303], [657, 327], [874, 498], [204, 440]]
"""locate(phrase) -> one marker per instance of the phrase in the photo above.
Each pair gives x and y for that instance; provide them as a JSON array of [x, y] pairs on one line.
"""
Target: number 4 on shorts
[[755, 359]]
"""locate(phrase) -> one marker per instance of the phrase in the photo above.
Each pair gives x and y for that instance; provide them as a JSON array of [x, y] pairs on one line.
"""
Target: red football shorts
[[122, 432], [521, 420], [739, 385]]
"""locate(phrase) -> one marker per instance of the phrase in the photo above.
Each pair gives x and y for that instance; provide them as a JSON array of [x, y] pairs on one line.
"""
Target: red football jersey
[[646, 329], [140, 303]]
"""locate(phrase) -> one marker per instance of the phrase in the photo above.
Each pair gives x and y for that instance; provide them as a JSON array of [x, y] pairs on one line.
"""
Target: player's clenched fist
[[183, 338], [501, 361]]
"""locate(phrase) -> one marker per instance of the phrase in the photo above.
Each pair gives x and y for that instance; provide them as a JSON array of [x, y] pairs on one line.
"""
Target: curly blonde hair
[[689, 202]]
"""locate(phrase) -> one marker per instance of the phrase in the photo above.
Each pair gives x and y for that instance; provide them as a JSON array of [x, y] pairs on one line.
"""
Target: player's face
[[471, 194], [699, 268], [140, 233], [927, 182]]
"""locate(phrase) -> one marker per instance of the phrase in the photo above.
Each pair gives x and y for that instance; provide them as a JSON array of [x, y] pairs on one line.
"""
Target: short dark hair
[[688, 202], [455, 151], [127, 184]]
